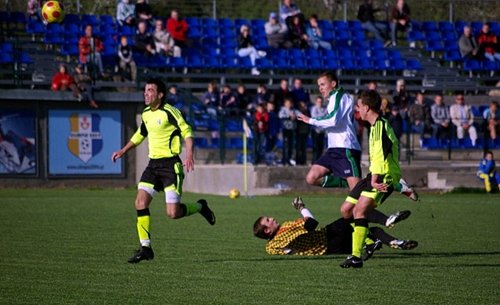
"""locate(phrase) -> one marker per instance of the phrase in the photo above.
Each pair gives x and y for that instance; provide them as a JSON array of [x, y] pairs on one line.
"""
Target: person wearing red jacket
[[90, 48], [63, 81], [178, 28], [488, 42], [261, 127]]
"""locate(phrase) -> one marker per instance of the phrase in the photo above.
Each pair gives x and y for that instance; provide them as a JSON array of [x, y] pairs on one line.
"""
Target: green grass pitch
[[71, 246]]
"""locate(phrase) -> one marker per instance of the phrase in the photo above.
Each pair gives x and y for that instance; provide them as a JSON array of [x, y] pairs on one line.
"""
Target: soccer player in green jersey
[[384, 173], [165, 128]]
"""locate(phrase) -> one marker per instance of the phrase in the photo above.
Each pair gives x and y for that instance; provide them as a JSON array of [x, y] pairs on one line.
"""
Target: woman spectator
[[246, 48], [164, 42], [297, 33], [178, 28]]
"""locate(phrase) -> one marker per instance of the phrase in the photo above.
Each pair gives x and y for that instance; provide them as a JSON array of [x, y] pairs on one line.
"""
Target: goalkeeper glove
[[298, 204]]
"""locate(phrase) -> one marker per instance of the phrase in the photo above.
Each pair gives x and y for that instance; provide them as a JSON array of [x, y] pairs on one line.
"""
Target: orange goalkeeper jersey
[[293, 238]]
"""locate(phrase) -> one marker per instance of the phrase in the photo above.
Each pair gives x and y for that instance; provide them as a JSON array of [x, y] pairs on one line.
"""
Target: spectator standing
[[492, 119], [401, 97], [274, 127], [288, 10], [164, 43], [419, 116], [276, 33], [228, 99], [90, 48], [84, 84], [263, 95], [318, 133], [281, 93], [399, 19], [261, 127], [366, 15], [246, 48], [125, 13], [297, 33], [315, 35], [488, 42], [178, 28], [396, 121], [144, 42], [463, 119], [300, 94], [468, 46], [243, 99], [440, 114], [143, 11], [126, 61], [63, 81], [288, 119], [302, 135]]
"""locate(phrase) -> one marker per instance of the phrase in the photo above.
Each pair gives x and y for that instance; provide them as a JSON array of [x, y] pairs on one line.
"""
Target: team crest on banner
[[85, 139]]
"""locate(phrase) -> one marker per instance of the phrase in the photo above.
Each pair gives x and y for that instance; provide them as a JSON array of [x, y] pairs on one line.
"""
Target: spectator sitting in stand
[[315, 34], [178, 28], [300, 94], [263, 95], [246, 48], [366, 14], [126, 61], [297, 33], [288, 10], [63, 81], [143, 11], [440, 114], [125, 13], [211, 99], [261, 127], [468, 46], [419, 116], [492, 119], [401, 97], [144, 42], [281, 93], [399, 20], [33, 9], [276, 33], [228, 99], [164, 43], [243, 99], [173, 98], [463, 119], [90, 48], [84, 84], [488, 42]]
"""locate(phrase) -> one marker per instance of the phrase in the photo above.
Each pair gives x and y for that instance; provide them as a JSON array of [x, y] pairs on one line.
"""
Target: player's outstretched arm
[[118, 154]]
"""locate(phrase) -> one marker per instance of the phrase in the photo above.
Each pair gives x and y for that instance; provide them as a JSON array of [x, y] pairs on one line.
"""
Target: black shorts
[[364, 188], [164, 174], [342, 162], [339, 237]]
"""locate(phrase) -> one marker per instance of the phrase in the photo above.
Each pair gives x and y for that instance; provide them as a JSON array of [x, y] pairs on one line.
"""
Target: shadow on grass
[[399, 255]]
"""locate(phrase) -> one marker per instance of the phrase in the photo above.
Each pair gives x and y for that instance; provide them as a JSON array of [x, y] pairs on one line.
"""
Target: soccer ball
[[234, 193], [53, 11]]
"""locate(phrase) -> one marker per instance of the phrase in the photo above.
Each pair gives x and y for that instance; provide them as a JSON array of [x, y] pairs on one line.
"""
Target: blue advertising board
[[18, 154], [81, 142]]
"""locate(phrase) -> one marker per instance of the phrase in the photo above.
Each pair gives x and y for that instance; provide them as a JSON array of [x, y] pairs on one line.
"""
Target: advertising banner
[[81, 142]]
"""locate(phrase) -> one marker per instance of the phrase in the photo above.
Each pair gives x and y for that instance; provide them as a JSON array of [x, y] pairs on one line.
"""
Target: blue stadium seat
[[376, 45], [489, 65], [347, 64], [107, 20], [459, 26], [89, 19], [416, 35], [194, 32], [476, 27], [35, 27], [263, 63], [397, 64], [194, 22], [452, 55], [413, 64], [433, 46], [340, 26], [6, 58], [238, 22], [209, 23], [25, 58], [472, 65], [107, 30], [450, 36], [18, 17], [446, 26], [363, 64], [314, 63], [126, 30], [312, 53], [234, 125], [72, 29], [328, 35], [69, 49], [258, 23], [325, 25], [201, 142], [225, 23], [7, 47], [429, 26], [72, 18], [495, 27]]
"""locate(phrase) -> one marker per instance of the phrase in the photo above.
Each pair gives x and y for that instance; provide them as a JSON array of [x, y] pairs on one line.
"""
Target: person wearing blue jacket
[[487, 172]]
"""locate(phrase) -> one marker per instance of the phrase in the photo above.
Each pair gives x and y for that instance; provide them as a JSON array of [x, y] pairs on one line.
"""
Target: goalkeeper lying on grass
[[303, 237]]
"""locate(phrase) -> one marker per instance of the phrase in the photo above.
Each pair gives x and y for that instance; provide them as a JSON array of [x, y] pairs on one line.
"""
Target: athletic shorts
[[342, 162], [164, 174], [339, 237], [364, 188]]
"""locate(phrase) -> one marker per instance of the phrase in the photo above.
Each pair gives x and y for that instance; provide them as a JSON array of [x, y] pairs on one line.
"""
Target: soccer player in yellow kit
[[379, 183], [165, 128]]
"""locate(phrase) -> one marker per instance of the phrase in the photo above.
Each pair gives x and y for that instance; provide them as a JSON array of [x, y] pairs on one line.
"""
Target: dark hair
[[371, 98], [314, 16], [160, 86], [332, 77], [488, 152], [258, 229], [494, 103]]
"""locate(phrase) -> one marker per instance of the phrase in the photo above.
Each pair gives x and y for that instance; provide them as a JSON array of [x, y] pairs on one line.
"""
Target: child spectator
[[164, 43], [492, 118], [90, 48], [315, 34], [178, 28], [246, 48], [487, 172], [84, 84], [144, 42], [125, 13], [126, 61], [63, 81], [489, 43], [288, 119], [274, 127], [318, 134], [261, 127]]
